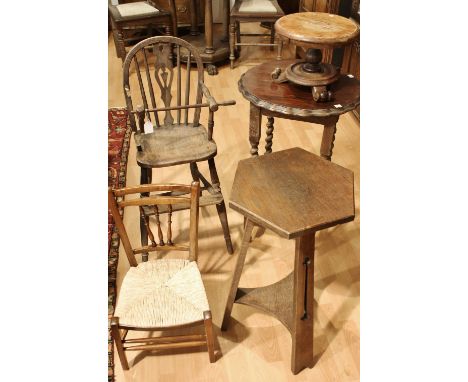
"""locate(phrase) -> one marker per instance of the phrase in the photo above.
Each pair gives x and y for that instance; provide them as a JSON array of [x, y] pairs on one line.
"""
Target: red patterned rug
[[119, 133]]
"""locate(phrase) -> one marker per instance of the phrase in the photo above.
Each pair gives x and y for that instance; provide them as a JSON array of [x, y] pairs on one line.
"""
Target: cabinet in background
[[182, 10]]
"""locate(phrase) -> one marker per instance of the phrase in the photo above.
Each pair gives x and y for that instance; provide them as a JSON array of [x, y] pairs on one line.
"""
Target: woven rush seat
[[174, 145], [162, 293]]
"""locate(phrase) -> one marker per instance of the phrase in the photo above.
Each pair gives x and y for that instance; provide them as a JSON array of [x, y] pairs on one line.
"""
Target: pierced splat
[[164, 74]]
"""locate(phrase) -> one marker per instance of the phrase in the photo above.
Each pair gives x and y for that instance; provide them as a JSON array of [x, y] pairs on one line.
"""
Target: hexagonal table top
[[293, 192]]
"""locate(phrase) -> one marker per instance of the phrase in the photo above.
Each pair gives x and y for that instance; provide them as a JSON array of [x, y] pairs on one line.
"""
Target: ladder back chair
[[139, 16], [173, 135], [265, 11], [163, 294]]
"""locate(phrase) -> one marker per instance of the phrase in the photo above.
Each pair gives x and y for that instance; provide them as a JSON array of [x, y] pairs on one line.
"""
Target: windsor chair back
[[164, 102], [163, 294]]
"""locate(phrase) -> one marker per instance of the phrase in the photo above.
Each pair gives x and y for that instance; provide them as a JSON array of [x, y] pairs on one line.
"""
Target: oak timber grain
[[293, 192], [317, 29]]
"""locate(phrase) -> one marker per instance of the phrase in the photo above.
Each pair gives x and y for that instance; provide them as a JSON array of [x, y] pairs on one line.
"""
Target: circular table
[[290, 101], [314, 31]]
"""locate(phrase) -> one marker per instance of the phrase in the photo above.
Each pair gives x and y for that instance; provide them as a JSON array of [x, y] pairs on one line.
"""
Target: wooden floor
[[257, 347]]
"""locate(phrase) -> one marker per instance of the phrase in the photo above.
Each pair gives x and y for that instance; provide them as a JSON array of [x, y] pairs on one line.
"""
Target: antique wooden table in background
[[290, 101], [295, 194]]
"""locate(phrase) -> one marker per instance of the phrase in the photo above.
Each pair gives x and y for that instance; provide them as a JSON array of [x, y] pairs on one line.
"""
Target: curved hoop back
[[154, 60]]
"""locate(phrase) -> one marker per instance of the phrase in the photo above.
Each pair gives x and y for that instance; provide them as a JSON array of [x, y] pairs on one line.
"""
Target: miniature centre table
[[314, 31], [291, 101], [294, 193]]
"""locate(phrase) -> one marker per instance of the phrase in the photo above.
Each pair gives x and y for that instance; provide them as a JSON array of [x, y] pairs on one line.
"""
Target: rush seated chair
[[265, 11], [162, 294], [142, 16], [165, 139]]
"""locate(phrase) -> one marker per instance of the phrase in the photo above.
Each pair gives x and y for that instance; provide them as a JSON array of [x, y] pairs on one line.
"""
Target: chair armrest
[[211, 101]]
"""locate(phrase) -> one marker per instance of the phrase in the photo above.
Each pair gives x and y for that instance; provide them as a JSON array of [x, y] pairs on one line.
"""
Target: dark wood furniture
[[172, 139], [270, 14], [164, 294], [289, 6], [186, 12], [147, 21], [286, 100], [213, 44], [351, 60], [295, 194], [314, 31]]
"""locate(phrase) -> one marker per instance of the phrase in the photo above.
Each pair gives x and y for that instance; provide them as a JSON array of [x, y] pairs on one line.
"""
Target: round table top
[[287, 98], [317, 29]]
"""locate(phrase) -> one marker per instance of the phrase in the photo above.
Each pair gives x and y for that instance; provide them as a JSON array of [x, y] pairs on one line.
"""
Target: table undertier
[[275, 299]]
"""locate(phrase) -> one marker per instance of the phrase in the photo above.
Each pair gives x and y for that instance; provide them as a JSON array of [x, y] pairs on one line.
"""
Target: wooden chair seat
[[162, 293], [138, 10], [265, 11], [169, 146], [142, 16], [250, 8]]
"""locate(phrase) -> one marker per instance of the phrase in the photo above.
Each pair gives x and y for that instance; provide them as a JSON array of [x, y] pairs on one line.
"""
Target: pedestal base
[[318, 81], [220, 46]]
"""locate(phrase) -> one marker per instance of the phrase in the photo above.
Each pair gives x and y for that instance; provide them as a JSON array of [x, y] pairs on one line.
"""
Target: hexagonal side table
[[294, 193]]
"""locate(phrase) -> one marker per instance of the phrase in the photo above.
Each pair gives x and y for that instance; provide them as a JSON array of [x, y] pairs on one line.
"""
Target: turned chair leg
[[232, 37], [238, 39], [145, 178], [118, 342], [221, 207], [272, 36], [209, 335], [280, 49], [195, 173]]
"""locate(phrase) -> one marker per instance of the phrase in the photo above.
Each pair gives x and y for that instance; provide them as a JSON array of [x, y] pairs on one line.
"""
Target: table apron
[[311, 119]]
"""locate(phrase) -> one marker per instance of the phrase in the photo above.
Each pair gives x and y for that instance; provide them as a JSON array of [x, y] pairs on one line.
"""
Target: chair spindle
[[210, 124], [169, 227], [179, 85], [148, 229], [142, 88], [158, 223], [141, 118], [187, 87], [150, 87]]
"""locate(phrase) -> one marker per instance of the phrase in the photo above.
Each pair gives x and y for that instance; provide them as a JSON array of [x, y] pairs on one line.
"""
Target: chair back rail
[[153, 202], [155, 66]]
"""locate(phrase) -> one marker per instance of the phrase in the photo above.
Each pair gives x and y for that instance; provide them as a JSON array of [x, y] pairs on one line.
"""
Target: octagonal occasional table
[[291, 101], [295, 194]]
